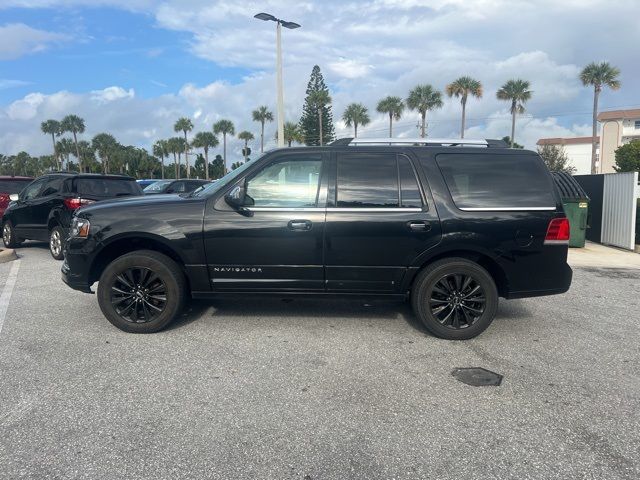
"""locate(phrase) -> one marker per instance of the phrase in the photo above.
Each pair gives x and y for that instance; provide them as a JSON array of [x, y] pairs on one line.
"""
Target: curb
[[7, 254]]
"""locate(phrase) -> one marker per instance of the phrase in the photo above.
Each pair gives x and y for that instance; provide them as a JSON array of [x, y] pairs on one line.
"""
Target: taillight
[[75, 203], [4, 200], [557, 232]]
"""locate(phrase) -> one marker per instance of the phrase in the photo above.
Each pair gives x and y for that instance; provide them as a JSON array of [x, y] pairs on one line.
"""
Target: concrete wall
[[580, 157], [611, 136]]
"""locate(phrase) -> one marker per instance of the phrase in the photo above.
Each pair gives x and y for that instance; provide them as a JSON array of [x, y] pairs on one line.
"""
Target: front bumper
[[76, 268]]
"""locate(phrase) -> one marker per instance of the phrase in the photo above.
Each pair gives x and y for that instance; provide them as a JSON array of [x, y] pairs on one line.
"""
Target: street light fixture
[[280, 89]]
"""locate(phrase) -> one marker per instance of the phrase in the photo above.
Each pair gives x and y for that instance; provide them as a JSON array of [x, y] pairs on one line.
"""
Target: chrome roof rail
[[449, 142]]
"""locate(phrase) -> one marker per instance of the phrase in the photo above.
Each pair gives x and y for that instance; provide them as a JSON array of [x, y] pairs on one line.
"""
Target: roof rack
[[450, 142]]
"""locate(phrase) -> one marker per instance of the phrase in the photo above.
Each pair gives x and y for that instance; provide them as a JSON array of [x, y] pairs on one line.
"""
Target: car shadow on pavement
[[302, 309]]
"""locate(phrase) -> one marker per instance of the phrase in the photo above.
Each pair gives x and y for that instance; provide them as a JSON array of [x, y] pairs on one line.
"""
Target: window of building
[[637, 124]]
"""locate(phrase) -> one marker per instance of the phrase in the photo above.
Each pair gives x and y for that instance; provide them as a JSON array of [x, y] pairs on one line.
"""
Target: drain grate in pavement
[[477, 377]]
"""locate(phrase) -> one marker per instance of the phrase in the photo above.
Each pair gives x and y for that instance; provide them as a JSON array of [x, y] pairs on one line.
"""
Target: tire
[[455, 298], [56, 243], [134, 285], [9, 236]]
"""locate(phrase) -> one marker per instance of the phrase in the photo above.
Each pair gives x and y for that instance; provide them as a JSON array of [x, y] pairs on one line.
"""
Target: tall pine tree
[[309, 121]]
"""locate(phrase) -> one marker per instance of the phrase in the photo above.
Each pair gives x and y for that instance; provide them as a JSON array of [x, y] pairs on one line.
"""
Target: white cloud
[[18, 39], [111, 94]]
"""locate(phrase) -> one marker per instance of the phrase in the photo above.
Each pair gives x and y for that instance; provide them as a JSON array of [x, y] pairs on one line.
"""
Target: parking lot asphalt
[[313, 389]]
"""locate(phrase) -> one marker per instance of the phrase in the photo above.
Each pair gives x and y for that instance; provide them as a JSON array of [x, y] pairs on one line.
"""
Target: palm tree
[[517, 92], [462, 88], [356, 114], [87, 155], [262, 115], [173, 146], [292, 133], [52, 127], [75, 125], [65, 147], [393, 107], [225, 127], [160, 149], [205, 140], [247, 137], [424, 98], [184, 125], [598, 75], [104, 144], [318, 99]]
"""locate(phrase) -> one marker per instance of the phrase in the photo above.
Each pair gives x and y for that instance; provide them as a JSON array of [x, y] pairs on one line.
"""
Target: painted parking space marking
[[7, 291]]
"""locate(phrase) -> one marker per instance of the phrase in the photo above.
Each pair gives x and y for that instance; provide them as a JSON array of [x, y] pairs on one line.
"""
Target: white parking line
[[7, 291]]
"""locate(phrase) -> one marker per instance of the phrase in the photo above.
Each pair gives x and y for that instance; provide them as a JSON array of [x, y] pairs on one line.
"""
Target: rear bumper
[[560, 285]]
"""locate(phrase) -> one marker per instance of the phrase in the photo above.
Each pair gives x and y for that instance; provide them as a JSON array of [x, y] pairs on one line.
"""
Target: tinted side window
[[13, 186], [106, 187], [52, 186], [495, 181], [32, 190], [290, 183], [409, 190], [367, 181]]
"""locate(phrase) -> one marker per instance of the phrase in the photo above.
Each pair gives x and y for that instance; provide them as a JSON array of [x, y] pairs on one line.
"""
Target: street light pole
[[279, 84]]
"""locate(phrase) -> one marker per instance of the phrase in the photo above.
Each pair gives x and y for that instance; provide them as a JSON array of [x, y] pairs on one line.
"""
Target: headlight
[[80, 227]]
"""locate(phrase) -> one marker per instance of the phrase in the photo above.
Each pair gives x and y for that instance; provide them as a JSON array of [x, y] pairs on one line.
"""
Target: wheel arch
[[131, 243], [481, 258]]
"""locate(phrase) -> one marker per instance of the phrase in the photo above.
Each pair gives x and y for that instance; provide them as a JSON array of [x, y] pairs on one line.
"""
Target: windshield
[[221, 182], [157, 186]]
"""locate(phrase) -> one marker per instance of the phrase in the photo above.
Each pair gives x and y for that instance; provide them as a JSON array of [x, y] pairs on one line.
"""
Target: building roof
[[565, 141], [619, 114]]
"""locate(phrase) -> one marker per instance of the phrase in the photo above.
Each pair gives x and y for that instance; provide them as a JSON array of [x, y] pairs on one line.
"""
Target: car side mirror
[[236, 197], [14, 197]]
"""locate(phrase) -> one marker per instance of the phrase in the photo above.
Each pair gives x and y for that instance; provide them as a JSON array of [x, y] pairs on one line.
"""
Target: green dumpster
[[576, 206]]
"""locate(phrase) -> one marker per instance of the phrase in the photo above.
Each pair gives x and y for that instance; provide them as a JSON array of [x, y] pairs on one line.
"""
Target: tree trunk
[[464, 112], [594, 140], [175, 163], [75, 139], [55, 153], [179, 165], [246, 145], [162, 167], [424, 122], [261, 138], [355, 129], [186, 155], [320, 123], [513, 122], [206, 161], [390, 125], [224, 151]]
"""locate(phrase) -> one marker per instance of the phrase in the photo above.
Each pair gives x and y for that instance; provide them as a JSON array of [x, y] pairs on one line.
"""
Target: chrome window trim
[[507, 209], [286, 209], [392, 209]]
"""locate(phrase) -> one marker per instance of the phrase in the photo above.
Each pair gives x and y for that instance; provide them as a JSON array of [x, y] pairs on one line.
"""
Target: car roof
[[89, 175]]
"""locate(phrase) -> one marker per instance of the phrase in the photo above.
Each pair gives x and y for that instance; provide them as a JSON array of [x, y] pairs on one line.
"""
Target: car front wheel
[[56, 243], [456, 299], [8, 235], [141, 292]]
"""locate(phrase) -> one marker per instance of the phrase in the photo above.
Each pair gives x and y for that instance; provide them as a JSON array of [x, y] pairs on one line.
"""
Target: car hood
[[142, 201]]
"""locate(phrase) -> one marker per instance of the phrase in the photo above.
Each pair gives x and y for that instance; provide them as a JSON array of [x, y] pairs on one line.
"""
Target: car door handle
[[419, 226], [300, 225]]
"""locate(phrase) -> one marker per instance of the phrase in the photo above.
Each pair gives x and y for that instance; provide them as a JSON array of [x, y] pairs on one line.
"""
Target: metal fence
[[619, 206]]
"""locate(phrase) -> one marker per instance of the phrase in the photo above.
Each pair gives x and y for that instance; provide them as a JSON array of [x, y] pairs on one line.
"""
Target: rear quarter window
[[497, 181], [107, 188]]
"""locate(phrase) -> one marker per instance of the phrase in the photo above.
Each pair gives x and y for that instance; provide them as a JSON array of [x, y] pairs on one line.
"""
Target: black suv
[[44, 209], [450, 224], [173, 186]]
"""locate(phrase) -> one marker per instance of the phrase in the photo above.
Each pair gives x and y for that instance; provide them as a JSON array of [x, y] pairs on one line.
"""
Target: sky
[[133, 67]]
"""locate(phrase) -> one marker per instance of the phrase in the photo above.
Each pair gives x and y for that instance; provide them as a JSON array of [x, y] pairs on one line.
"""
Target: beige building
[[617, 127]]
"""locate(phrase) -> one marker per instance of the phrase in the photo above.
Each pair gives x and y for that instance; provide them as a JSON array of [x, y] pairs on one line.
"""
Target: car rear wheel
[[142, 291], [56, 243], [8, 235], [455, 298]]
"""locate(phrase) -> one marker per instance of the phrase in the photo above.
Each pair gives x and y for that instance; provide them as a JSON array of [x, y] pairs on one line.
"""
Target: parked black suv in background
[[44, 209], [174, 186], [450, 224]]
